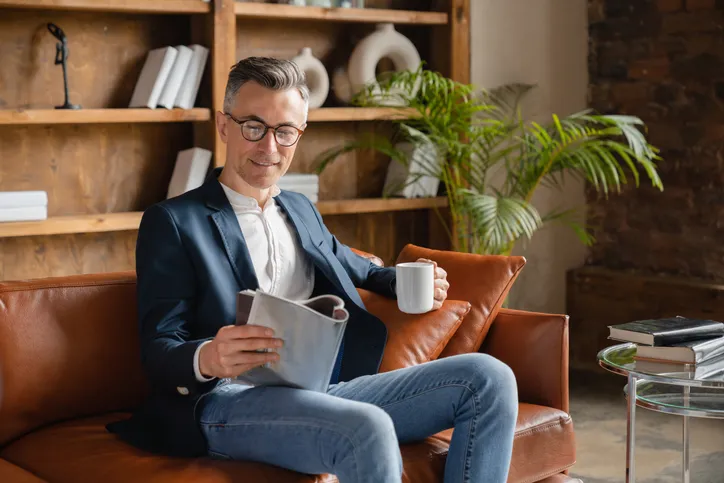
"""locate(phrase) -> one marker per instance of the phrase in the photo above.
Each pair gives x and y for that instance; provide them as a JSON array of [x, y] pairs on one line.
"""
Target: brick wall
[[663, 60]]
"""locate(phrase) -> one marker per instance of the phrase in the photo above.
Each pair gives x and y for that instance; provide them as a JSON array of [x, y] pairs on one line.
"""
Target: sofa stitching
[[542, 427], [480, 338], [70, 285]]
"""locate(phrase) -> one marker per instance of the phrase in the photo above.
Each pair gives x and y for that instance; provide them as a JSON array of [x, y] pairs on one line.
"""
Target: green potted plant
[[476, 133]]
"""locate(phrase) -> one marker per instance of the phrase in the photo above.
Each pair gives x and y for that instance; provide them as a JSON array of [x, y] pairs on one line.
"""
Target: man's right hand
[[233, 350]]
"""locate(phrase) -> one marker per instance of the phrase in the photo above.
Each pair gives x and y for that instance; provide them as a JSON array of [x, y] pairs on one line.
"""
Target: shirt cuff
[[197, 371]]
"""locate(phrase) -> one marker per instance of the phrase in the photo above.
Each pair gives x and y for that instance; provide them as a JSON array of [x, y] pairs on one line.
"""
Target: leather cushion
[[414, 338], [544, 443], [68, 348], [482, 280], [82, 451], [12, 474]]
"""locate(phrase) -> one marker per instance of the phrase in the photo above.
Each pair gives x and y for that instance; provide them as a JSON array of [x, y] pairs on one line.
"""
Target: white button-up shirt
[[281, 265]]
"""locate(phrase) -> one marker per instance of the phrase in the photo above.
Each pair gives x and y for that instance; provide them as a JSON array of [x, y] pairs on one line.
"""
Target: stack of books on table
[[170, 77], [23, 205], [306, 184], [679, 343]]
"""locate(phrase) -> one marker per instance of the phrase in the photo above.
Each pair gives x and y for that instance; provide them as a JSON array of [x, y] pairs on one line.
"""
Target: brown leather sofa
[[69, 362]]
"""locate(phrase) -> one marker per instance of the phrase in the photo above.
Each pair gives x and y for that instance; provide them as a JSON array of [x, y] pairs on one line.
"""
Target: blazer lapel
[[229, 230]]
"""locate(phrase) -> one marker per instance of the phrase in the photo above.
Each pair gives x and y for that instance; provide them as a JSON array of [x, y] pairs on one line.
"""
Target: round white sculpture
[[385, 42], [317, 77]]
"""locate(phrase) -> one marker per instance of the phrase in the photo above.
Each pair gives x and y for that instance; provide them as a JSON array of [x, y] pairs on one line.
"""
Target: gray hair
[[276, 74]]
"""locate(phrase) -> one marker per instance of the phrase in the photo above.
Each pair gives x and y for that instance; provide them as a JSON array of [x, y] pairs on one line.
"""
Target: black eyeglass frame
[[266, 130]]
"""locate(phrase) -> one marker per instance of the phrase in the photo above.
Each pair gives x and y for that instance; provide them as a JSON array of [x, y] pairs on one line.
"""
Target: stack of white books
[[189, 172], [170, 77], [23, 205], [306, 184]]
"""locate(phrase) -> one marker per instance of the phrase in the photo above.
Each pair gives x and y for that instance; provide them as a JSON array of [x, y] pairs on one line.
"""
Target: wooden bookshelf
[[376, 205], [101, 116], [335, 114], [60, 225], [132, 6], [356, 15], [117, 160]]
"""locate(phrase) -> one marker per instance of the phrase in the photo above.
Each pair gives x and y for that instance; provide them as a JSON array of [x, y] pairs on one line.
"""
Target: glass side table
[[686, 390]]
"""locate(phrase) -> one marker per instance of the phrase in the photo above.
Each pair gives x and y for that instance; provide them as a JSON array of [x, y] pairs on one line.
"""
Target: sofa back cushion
[[68, 348], [413, 339], [482, 280]]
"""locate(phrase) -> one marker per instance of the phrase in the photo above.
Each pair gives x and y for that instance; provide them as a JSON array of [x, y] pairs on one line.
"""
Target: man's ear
[[222, 125]]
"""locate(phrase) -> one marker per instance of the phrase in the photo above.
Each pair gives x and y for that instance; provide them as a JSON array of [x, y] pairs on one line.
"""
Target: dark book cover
[[690, 352], [662, 332]]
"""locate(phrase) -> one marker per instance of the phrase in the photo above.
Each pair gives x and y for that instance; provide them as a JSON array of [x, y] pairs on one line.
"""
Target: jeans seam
[[335, 428], [426, 390]]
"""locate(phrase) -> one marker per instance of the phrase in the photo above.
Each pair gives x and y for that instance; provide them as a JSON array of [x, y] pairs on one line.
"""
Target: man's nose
[[268, 144]]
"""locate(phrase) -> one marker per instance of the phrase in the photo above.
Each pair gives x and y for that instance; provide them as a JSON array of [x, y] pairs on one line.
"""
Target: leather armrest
[[9, 472], [373, 258], [535, 346]]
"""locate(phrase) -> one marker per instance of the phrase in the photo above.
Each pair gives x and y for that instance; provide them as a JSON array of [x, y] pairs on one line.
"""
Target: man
[[239, 231]]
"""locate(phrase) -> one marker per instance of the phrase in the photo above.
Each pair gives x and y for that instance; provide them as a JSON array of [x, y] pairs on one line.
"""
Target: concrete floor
[[598, 408]]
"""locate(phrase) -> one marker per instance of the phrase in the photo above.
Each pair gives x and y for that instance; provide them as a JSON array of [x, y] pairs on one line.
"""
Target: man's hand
[[441, 284], [232, 351]]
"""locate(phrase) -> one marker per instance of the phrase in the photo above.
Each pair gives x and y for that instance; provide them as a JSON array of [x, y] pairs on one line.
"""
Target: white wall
[[542, 42]]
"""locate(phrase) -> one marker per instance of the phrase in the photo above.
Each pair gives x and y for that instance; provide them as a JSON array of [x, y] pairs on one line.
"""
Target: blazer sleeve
[[166, 291], [364, 274]]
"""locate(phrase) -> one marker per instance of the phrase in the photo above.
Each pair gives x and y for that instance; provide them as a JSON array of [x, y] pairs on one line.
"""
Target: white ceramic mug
[[415, 287]]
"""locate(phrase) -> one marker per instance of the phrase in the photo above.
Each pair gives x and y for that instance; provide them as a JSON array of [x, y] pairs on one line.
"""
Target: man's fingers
[[245, 331], [440, 295], [442, 284], [249, 358], [237, 345], [440, 273], [436, 305]]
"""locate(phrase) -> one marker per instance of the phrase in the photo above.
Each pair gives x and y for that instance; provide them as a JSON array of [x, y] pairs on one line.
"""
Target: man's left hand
[[441, 284]]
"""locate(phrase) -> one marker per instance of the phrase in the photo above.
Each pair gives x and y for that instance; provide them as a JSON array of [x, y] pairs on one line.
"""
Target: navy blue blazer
[[191, 260]]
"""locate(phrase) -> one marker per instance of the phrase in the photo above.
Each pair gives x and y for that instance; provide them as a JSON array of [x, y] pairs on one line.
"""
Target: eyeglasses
[[254, 131]]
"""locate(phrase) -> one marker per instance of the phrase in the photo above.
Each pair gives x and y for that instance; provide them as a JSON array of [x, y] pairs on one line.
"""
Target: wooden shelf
[[133, 6], [101, 116], [335, 114], [359, 15], [72, 224], [374, 205], [60, 225]]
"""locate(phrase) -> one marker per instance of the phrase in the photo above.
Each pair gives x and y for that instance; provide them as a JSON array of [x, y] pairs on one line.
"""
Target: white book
[[23, 199], [189, 172], [175, 77], [186, 98], [312, 331], [153, 77], [26, 213]]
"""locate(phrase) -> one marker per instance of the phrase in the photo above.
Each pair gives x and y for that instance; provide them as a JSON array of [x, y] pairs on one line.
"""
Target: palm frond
[[499, 221]]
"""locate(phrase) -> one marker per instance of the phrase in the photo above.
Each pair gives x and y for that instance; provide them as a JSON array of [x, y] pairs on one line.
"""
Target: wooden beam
[[223, 58], [460, 41], [101, 116], [359, 15], [133, 6]]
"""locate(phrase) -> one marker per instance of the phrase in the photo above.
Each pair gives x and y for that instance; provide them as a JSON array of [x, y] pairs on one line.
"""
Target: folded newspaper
[[312, 332]]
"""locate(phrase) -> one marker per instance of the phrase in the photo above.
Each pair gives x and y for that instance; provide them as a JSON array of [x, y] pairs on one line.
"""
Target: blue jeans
[[354, 430]]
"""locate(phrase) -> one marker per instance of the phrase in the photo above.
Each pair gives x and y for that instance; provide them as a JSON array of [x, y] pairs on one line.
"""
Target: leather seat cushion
[[13, 474], [544, 444], [81, 451]]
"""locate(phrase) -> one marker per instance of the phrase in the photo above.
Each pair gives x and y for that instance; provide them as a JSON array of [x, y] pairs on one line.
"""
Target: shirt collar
[[239, 201]]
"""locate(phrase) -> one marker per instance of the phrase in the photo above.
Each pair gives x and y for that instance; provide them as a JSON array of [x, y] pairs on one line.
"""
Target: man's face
[[260, 164]]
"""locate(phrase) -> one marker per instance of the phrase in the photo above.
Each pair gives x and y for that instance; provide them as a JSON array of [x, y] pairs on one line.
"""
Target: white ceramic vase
[[384, 42], [316, 74], [413, 180]]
